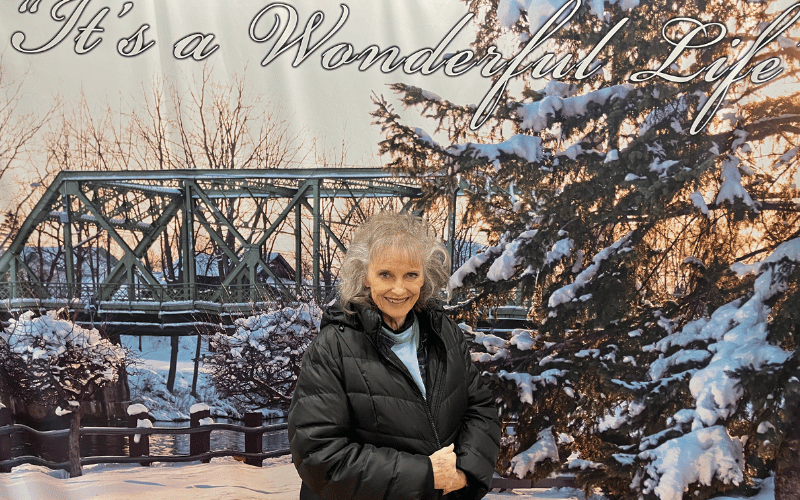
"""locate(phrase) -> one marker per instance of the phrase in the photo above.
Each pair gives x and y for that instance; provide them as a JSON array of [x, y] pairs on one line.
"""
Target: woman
[[388, 404]]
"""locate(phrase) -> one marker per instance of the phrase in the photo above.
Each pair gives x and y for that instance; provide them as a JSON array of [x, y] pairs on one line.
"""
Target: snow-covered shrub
[[55, 362], [257, 366], [52, 361]]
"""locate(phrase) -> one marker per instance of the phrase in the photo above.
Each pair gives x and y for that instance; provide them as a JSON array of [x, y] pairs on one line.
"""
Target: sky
[[331, 105]]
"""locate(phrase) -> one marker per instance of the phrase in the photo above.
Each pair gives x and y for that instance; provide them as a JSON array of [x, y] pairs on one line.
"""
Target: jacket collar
[[368, 319]]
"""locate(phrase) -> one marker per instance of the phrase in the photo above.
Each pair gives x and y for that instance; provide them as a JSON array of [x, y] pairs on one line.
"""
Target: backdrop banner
[[616, 182]]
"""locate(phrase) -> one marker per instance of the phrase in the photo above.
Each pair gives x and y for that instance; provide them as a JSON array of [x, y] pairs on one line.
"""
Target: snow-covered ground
[[148, 380], [222, 479]]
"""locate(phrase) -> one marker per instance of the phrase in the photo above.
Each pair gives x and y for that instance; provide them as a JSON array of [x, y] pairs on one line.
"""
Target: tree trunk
[[75, 444], [196, 364], [173, 363], [787, 464]]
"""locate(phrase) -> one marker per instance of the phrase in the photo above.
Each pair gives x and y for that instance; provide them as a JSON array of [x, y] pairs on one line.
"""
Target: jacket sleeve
[[478, 442], [325, 451]]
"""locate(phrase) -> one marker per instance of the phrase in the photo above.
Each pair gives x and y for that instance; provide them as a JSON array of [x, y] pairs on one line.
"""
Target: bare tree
[[18, 129]]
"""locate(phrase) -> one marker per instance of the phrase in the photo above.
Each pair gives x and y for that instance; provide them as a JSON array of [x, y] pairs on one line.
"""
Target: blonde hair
[[402, 231]]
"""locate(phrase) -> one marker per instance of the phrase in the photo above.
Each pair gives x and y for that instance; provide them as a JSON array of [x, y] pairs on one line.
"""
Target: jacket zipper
[[396, 363]]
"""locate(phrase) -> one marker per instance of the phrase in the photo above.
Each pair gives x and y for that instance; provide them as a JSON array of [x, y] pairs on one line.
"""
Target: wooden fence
[[199, 446], [138, 447]]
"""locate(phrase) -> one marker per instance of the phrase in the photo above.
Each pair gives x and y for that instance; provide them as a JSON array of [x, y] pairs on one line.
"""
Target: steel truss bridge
[[160, 252]]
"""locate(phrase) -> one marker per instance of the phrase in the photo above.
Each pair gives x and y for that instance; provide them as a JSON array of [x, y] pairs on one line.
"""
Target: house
[[92, 264], [208, 269]]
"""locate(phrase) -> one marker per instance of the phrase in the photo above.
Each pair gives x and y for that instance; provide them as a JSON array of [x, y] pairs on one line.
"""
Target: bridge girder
[[188, 219]]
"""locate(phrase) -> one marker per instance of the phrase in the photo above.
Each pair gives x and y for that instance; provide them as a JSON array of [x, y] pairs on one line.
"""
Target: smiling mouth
[[395, 301]]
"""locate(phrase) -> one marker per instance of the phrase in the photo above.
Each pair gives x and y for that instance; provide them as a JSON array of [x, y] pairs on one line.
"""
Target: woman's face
[[394, 278]]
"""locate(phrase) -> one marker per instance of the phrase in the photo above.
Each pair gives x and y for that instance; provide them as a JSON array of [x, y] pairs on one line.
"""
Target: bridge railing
[[145, 292]]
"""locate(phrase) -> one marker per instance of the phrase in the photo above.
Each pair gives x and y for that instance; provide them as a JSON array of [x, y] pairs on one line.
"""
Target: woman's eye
[[412, 276], [383, 274]]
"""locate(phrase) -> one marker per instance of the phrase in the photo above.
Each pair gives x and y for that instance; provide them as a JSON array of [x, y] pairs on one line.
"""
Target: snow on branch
[[527, 147], [699, 202], [731, 187], [522, 340], [259, 364], [535, 116], [736, 335], [526, 382], [789, 250], [501, 269], [471, 266], [504, 266], [698, 457], [59, 345], [736, 339], [426, 138], [660, 366], [561, 248], [569, 292], [494, 345], [544, 448]]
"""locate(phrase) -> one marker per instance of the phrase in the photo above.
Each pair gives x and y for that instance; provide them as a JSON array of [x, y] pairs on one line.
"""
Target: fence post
[[200, 442], [252, 441], [5, 441], [139, 444]]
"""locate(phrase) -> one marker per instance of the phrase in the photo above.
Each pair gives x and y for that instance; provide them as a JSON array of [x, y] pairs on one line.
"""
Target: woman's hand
[[445, 474]]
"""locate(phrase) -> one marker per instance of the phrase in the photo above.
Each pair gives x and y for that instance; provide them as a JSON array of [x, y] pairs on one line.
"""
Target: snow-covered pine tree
[[622, 220]]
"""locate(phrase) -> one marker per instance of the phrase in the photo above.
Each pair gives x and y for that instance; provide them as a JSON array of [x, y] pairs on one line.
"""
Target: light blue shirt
[[405, 347]]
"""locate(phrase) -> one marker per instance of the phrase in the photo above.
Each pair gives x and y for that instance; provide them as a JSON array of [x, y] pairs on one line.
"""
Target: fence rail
[[199, 447], [138, 442]]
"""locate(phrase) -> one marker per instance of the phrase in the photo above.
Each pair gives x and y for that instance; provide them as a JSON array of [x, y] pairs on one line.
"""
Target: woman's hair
[[404, 232]]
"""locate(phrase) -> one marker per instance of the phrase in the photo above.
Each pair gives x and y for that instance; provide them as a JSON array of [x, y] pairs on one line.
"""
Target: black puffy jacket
[[359, 427]]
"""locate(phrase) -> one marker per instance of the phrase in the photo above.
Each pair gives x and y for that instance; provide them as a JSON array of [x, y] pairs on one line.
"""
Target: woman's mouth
[[395, 301]]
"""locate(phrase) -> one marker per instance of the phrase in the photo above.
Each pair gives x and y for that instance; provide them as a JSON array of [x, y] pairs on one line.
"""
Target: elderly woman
[[388, 404]]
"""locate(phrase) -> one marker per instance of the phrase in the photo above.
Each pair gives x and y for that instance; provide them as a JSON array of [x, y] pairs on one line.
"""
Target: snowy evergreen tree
[[644, 208], [258, 365], [51, 361]]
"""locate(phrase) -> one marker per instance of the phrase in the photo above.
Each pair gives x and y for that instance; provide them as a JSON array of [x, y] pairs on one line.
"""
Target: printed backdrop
[[102, 85]]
